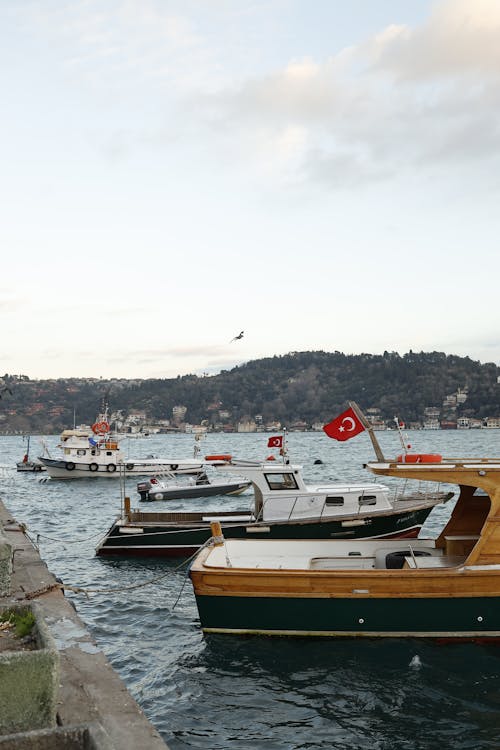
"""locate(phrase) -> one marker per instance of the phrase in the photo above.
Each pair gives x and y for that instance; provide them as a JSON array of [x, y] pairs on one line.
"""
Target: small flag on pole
[[275, 442], [344, 427]]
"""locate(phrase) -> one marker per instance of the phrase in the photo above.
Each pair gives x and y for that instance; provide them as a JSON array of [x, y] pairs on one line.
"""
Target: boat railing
[[416, 489]]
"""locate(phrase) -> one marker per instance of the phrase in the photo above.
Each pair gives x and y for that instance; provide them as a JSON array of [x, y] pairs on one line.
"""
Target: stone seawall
[[90, 706]]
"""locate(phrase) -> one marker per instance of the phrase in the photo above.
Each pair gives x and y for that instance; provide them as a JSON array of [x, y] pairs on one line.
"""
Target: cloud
[[460, 37], [184, 352], [125, 42], [403, 99]]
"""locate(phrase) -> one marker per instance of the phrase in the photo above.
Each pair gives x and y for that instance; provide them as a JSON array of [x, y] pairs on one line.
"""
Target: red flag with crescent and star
[[345, 426], [275, 442]]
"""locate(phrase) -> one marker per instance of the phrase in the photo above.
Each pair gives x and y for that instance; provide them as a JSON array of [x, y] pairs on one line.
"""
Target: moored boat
[[94, 452], [171, 486], [27, 463], [445, 588], [283, 507]]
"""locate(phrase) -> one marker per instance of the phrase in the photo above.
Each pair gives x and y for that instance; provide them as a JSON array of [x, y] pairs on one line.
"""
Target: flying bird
[[239, 336]]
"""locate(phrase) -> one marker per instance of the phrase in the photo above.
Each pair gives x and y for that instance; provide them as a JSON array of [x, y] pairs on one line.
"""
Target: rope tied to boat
[[86, 591]]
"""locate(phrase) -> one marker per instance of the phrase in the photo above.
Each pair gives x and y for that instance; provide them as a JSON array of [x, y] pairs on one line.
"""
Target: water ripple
[[250, 693]]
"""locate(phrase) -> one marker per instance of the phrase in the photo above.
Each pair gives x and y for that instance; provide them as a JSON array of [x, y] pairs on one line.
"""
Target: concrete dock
[[93, 707]]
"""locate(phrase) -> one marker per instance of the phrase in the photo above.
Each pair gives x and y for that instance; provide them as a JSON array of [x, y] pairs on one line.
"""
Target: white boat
[[281, 493], [174, 487], [89, 452]]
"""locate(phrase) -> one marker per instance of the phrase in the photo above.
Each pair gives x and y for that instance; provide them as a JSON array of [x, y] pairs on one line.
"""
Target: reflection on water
[[222, 692]]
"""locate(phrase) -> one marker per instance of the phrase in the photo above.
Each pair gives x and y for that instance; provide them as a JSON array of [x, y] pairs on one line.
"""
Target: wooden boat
[[284, 507], [444, 588]]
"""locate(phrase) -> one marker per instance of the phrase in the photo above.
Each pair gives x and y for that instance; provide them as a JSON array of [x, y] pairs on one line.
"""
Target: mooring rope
[[132, 587]]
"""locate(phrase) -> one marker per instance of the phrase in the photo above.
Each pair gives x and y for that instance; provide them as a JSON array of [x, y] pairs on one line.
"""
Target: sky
[[319, 174]]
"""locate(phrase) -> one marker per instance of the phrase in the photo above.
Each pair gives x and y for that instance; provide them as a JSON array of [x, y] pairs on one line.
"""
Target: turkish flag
[[345, 426], [275, 442]]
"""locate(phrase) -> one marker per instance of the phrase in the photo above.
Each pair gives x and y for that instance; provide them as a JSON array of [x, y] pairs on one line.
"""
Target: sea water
[[248, 693]]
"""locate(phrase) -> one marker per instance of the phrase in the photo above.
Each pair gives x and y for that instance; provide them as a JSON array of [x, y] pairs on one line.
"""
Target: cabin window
[[285, 481], [93, 452], [336, 501], [80, 452], [367, 499], [109, 453]]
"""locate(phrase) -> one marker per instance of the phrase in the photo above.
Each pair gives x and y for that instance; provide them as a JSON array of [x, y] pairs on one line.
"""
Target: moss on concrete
[[5, 564], [29, 681]]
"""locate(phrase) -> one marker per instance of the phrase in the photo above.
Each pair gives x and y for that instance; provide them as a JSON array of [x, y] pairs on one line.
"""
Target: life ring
[[158, 496], [111, 468], [222, 457], [93, 467], [173, 467], [419, 458], [70, 466], [129, 467], [100, 428]]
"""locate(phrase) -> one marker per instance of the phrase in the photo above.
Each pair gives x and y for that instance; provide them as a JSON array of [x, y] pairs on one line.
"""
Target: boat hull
[[420, 617], [181, 539], [73, 470], [32, 466]]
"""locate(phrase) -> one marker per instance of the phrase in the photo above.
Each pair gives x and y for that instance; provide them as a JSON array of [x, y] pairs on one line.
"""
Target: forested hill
[[301, 386]]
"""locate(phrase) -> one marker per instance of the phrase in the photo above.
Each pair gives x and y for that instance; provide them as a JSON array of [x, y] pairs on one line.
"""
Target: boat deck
[[392, 554]]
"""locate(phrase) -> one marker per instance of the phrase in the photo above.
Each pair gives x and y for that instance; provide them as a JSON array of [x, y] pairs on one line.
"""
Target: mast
[[368, 427], [401, 436]]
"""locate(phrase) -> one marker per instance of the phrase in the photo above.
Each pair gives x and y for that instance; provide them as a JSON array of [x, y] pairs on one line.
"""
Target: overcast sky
[[321, 174]]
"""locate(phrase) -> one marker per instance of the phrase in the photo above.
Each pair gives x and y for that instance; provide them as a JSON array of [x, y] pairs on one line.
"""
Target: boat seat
[[382, 553]]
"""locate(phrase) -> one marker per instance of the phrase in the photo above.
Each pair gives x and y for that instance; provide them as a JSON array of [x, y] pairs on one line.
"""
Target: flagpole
[[368, 427], [284, 448]]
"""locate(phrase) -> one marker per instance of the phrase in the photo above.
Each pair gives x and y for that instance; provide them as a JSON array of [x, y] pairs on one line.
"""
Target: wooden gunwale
[[452, 582]]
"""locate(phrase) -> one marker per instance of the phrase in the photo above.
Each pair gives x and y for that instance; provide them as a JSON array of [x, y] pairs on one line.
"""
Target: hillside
[[303, 387]]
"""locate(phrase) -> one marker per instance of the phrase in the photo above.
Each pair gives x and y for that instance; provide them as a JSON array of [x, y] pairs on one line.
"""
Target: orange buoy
[[271, 458]]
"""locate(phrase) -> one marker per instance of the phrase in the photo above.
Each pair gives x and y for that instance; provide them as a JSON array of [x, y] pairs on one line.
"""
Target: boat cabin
[[281, 493]]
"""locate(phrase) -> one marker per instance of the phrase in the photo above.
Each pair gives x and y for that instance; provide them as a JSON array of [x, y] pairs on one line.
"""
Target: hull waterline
[[423, 617]]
